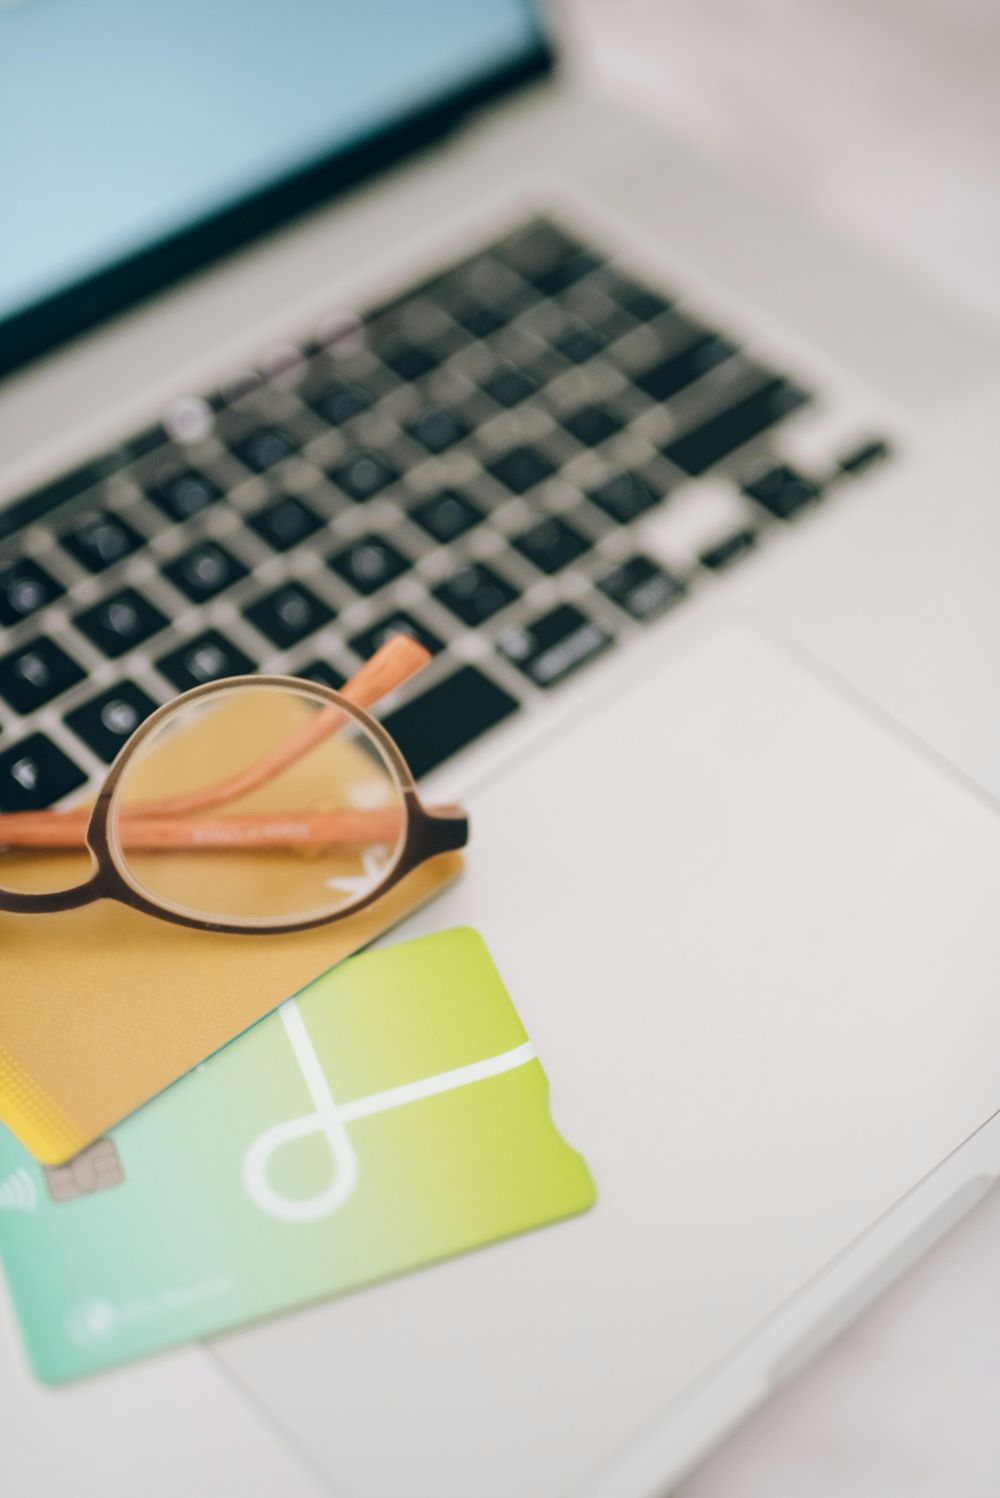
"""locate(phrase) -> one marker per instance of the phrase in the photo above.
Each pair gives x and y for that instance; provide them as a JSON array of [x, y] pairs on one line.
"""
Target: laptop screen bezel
[[47, 324]]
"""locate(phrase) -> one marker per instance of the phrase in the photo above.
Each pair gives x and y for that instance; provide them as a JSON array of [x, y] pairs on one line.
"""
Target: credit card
[[103, 1007], [391, 1114]]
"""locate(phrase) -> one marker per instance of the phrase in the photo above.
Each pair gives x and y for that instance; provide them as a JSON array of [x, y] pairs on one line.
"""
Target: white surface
[[881, 117], [748, 1093], [884, 120], [904, 1404], [169, 1428]]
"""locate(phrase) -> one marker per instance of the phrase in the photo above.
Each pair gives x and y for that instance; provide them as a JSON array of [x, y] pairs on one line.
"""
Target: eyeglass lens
[[258, 804]]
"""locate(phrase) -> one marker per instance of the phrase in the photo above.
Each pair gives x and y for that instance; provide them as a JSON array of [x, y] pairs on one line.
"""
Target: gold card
[[102, 1007]]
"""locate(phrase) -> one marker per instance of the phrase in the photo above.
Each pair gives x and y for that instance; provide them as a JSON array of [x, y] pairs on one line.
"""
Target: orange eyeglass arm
[[151, 825], [392, 664], [264, 830]]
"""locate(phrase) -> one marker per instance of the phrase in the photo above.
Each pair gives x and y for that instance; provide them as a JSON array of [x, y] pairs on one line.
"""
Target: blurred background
[[880, 116]]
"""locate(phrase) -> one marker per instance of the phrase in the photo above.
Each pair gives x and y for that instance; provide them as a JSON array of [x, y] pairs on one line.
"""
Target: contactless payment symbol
[[18, 1192]]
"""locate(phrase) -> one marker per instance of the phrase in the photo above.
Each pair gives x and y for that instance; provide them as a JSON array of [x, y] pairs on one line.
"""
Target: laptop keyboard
[[493, 462]]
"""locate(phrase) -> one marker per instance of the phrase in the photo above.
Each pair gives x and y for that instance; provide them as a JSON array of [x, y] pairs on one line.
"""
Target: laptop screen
[[124, 126]]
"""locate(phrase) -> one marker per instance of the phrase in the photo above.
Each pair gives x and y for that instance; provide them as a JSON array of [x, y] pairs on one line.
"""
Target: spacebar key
[[447, 717]]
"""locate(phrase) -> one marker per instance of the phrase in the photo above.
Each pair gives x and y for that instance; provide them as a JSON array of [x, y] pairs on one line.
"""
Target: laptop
[[322, 323]]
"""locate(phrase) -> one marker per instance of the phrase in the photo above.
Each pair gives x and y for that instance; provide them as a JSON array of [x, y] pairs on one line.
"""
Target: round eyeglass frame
[[428, 832]]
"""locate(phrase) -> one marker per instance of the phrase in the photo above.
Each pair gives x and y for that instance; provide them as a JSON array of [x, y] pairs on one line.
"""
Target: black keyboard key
[[782, 490], [521, 468], [624, 497], [475, 593], [592, 425], [24, 589], [551, 544], [448, 717], [34, 774], [578, 345], [548, 259], [446, 515], [733, 549], [478, 318], [645, 306], [100, 539], [32, 675], [641, 588], [637, 301], [339, 402], [696, 450], [397, 623], [322, 672], [121, 622], [555, 645], [865, 456], [285, 521], [483, 280], [205, 571], [264, 447], [369, 563], [409, 361], [363, 474], [509, 386], [437, 429], [537, 247], [208, 657], [560, 277], [184, 493], [107, 722], [289, 614], [668, 377]]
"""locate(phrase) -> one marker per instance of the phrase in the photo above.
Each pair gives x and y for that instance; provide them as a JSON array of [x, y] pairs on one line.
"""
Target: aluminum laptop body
[[737, 865]]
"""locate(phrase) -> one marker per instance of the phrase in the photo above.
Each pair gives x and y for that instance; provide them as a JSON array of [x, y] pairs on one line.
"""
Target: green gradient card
[[392, 1113]]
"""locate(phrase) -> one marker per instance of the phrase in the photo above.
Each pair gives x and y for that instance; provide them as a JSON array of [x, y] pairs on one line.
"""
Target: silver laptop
[[698, 512]]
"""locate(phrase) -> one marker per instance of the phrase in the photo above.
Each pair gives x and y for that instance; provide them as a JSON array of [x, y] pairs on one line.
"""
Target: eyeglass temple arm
[[395, 662], [392, 664], [302, 832]]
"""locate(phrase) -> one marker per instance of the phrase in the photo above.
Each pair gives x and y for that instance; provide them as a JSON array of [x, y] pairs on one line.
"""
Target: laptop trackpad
[[752, 934]]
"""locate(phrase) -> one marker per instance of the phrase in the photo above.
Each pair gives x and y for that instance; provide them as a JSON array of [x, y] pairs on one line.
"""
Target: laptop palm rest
[[750, 932]]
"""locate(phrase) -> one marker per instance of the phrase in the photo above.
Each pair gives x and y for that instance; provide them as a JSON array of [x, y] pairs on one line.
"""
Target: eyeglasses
[[259, 804]]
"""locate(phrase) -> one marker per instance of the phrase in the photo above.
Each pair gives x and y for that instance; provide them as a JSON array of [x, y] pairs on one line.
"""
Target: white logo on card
[[372, 865], [324, 1120], [329, 1119]]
